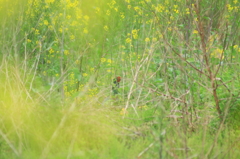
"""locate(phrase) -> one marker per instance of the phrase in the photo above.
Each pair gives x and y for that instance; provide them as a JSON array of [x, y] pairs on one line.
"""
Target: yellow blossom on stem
[[66, 52], [37, 32], [51, 51], [128, 40], [103, 60], [217, 53], [85, 74], [147, 40], [123, 111], [85, 30], [105, 28], [109, 61], [72, 37], [195, 32], [45, 22]]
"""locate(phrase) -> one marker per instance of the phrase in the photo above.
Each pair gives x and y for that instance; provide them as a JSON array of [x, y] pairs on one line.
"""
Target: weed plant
[[179, 67]]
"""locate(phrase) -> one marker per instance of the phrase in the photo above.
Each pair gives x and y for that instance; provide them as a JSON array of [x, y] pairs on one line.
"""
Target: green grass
[[179, 93]]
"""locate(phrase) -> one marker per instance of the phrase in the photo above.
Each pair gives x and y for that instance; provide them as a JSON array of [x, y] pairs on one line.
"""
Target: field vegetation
[[179, 94]]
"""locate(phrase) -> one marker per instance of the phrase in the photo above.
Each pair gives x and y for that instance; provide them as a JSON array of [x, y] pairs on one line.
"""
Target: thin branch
[[9, 143]]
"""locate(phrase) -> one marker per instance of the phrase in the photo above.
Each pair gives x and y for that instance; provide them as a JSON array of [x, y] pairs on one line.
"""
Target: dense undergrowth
[[179, 67]]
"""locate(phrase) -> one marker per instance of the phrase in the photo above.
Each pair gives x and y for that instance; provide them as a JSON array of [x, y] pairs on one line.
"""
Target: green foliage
[[178, 62]]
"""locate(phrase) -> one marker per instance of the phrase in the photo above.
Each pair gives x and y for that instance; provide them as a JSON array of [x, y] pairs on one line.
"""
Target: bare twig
[[9, 143], [145, 150]]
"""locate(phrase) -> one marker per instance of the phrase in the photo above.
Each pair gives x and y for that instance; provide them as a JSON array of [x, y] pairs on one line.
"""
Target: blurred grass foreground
[[119, 79]]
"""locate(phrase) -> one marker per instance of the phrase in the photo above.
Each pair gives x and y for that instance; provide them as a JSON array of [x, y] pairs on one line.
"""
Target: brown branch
[[206, 58]]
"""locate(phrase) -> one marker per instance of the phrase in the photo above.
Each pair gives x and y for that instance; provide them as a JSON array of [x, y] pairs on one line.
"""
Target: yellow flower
[[108, 12], [45, 22], [50, 27], [229, 7], [72, 75], [123, 111], [68, 16], [195, 32], [77, 62], [51, 51], [37, 32], [143, 107], [86, 17], [49, 1], [135, 33], [235, 46], [28, 40], [147, 40], [66, 52], [72, 37], [122, 15], [103, 60], [136, 8], [105, 28], [154, 39], [128, 40], [85, 74], [123, 47], [85, 30], [60, 30], [217, 53], [109, 61], [97, 10]]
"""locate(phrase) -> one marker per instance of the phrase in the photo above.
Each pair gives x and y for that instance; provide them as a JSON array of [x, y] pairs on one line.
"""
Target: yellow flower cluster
[[237, 48], [231, 8], [144, 107], [92, 92], [128, 40], [217, 53], [147, 40], [70, 85], [195, 32], [106, 28], [135, 33], [159, 8], [109, 61], [66, 52]]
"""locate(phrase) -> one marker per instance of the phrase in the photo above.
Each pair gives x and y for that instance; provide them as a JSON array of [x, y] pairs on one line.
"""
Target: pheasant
[[115, 86]]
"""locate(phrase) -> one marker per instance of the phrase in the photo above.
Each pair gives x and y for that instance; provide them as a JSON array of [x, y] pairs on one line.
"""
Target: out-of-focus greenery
[[179, 90]]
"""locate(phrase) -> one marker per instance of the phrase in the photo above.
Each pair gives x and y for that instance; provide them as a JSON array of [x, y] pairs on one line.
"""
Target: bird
[[116, 84]]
